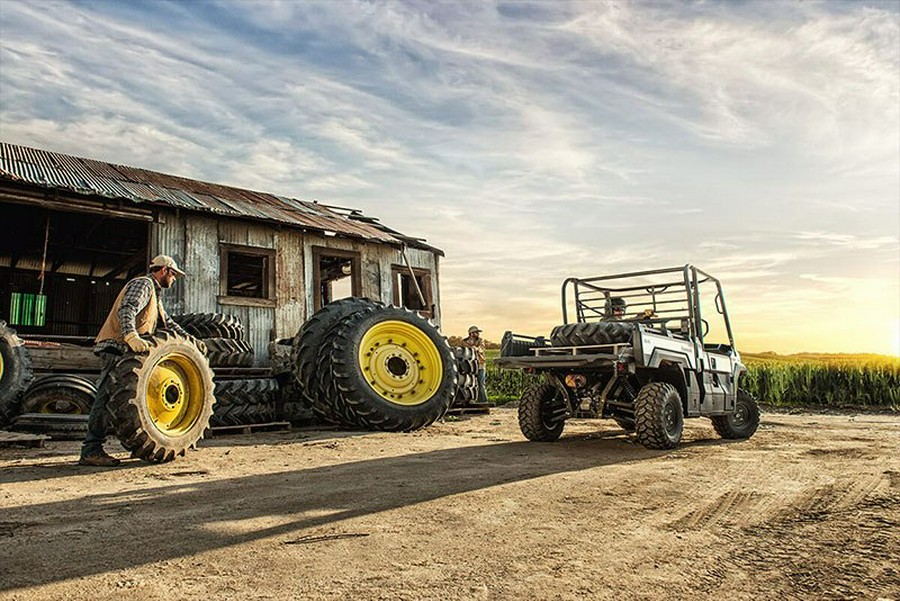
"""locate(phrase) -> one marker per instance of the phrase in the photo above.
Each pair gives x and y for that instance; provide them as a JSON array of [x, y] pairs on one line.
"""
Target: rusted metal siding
[[201, 264], [168, 238]]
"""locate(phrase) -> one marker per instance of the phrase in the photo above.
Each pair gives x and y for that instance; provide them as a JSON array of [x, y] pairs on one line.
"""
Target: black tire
[[466, 360], [244, 401], [591, 333], [466, 390], [15, 373], [511, 347], [743, 422], [540, 410], [211, 325], [292, 406], [307, 350], [161, 401], [226, 352], [394, 390], [60, 394], [658, 416], [56, 426]]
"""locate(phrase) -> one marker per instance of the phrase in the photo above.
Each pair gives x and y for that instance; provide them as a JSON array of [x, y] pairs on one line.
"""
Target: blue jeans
[[482, 386], [96, 434]]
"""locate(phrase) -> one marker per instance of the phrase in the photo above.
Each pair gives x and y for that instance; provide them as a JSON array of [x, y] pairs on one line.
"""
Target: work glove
[[136, 343]]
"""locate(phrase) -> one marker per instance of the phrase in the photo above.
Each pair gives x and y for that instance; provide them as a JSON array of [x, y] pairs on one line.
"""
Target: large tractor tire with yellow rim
[[162, 401], [307, 352], [15, 373], [390, 369]]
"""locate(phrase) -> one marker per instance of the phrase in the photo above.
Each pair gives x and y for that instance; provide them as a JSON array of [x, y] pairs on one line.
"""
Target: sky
[[530, 141]]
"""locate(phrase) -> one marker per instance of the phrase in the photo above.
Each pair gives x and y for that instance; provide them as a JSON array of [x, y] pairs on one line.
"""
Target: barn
[[74, 230]]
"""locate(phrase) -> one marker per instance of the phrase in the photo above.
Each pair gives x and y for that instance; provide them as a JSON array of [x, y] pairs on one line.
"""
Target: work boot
[[101, 459]]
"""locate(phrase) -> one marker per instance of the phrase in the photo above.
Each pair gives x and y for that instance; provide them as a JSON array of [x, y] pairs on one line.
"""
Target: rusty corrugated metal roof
[[86, 176]]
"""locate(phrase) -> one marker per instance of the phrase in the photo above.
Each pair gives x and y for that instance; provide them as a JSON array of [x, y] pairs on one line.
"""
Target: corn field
[[794, 381]]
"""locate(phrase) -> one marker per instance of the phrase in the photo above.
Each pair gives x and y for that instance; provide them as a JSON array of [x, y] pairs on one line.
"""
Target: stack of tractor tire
[[239, 400], [467, 384], [223, 336], [361, 364]]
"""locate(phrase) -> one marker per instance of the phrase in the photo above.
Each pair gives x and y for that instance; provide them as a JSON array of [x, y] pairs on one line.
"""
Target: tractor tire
[[56, 426], [227, 352], [591, 333], [307, 350], [539, 408], [211, 325], [466, 390], [60, 394], [15, 373], [658, 416], [162, 401], [391, 370], [743, 422], [466, 361], [292, 406], [510, 347], [247, 401]]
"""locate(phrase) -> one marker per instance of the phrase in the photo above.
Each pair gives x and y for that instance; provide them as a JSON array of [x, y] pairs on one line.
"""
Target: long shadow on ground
[[307, 498]]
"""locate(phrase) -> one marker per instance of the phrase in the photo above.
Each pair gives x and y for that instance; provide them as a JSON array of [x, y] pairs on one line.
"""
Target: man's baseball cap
[[166, 261], [474, 329]]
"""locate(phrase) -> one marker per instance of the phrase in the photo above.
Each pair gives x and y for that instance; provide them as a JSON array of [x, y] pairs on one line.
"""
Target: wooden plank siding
[[195, 241]]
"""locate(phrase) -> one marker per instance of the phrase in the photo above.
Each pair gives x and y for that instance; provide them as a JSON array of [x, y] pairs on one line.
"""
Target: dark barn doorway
[[60, 272]]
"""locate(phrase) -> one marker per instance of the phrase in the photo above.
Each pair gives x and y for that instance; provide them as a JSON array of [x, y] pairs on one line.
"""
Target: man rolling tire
[[137, 311]]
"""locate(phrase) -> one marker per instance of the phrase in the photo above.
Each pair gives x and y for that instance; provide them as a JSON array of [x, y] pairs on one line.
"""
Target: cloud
[[530, 141]]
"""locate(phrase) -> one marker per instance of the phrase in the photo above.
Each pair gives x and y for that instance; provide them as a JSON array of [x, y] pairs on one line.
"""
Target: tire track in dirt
[[837, 541]]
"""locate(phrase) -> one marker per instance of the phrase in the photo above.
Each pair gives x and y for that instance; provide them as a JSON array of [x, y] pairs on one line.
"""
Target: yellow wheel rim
[[1, 366], [175, 394], [400, 362]]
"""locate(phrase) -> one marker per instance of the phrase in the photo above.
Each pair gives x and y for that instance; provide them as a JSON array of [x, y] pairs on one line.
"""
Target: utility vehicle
[[638, 349]]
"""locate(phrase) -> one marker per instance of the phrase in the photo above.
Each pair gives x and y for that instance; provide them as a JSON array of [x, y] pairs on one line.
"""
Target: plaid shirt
[[138, 293]]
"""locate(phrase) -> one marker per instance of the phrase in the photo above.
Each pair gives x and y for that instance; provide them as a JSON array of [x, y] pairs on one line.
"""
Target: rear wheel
[[658, 416], [542, 411], [743, 422]]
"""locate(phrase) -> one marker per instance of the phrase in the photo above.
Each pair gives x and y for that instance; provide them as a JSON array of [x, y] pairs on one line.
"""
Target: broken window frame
[[400, 271], [268, 276], [320, 252]]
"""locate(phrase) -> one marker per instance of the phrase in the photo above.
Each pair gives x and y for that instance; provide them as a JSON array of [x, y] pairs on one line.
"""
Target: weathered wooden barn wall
[[195, 242], [290, 282]]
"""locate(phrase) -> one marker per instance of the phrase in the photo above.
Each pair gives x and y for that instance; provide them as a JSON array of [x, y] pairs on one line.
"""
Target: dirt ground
[[807, 509]]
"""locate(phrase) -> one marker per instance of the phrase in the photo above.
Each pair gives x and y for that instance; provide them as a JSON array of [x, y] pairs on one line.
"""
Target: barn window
[[247, 273], [413, 294]]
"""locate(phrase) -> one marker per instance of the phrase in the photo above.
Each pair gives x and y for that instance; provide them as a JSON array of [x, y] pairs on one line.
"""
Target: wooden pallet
[[249, 429], [9, 439]]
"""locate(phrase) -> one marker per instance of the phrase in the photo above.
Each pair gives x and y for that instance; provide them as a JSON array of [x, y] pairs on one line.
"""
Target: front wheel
[[658, 416], [542, 410], [743, 422]]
